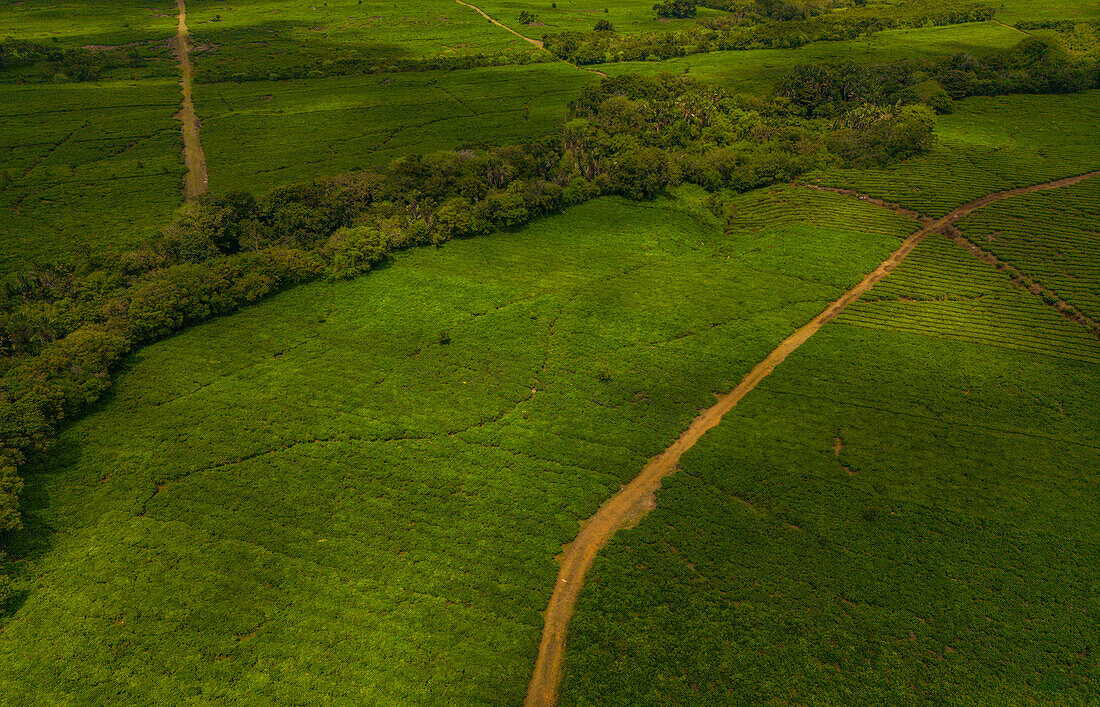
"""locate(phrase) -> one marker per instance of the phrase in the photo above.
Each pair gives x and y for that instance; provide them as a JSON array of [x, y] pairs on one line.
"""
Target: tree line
[[1032, 66], [755, 24]]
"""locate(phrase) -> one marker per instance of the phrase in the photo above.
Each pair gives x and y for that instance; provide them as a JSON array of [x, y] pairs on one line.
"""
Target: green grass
[[1051, 237], [756, 71], [258, 135], [88, 167], [317, 499], [987, 145], [899, 514]]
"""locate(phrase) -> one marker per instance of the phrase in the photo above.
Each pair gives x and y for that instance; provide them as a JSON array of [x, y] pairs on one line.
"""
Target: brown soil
[[634, 499], [195, 181]]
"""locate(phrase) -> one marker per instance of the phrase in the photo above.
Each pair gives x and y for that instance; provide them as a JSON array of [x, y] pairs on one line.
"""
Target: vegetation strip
[[195, 181], [636, 499], [1016, 277]]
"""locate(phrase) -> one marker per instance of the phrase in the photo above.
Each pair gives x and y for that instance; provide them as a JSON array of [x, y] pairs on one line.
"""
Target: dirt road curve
[[479, 11], [194, 182], [637, 498]]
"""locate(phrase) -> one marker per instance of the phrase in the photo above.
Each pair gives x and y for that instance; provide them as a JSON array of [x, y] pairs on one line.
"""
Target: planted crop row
[[942, 290], [1051, 238], [988, 144]]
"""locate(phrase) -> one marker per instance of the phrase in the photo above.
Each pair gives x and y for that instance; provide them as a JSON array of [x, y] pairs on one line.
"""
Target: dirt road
[[535, 42], [636, 499], [194, 182], [481, 12]]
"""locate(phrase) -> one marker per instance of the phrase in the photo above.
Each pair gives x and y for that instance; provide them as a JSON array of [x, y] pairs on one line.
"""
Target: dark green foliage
[[24, 61], [675, 8], [604, 26], [525, 17], [1032, 66]]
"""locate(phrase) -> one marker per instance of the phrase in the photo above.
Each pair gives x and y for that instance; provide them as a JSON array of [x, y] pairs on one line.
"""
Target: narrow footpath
[[637, 498], [195, 181]]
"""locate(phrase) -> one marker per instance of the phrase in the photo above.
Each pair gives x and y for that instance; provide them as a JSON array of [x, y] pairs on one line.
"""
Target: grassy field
[[756, 71], [262, 34], [902, 512], [258, 135], [1051, 237], [986, 145], [87, 167], [324, 495], [78, 23]]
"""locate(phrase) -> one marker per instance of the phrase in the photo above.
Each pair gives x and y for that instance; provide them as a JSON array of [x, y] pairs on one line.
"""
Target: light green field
[[86, 168], [258, 135], [987, 145], [757, 70], [902, 513], [316, 497]]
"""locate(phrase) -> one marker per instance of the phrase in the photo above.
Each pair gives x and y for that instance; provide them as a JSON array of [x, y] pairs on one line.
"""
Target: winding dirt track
[[195, 181], [637, 498], [535, 42], [481, 12]]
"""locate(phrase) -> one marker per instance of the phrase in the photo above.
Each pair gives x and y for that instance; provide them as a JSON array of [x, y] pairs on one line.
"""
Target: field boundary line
[[635, 500], [195, 182]]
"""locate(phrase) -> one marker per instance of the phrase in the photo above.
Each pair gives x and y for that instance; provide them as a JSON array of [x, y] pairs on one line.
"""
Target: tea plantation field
[[259, 135], [902, 512], [1051, 238], [86, 167], [354, 491], [255, 37]]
